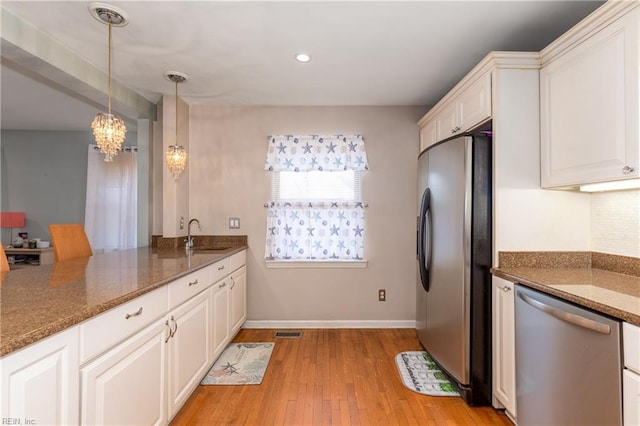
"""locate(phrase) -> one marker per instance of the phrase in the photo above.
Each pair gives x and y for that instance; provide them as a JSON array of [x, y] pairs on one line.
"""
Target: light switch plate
[[234, 223]]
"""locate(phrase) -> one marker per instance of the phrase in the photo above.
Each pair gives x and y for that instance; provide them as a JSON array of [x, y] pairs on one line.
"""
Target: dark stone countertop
[[575, 278]]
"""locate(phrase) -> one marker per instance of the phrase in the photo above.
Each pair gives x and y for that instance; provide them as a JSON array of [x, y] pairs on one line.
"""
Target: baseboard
[[330, 324]]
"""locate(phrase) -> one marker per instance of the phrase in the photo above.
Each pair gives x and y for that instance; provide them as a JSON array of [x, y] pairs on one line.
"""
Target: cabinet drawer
[[238, 260], [188, 286], [220, 269], [110, 328], [631, 346]]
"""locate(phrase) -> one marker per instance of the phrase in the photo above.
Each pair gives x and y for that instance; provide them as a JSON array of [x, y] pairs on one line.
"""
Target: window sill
[[301, 264]]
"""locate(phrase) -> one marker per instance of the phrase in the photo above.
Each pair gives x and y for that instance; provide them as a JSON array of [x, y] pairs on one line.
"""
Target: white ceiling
[[242, 52]]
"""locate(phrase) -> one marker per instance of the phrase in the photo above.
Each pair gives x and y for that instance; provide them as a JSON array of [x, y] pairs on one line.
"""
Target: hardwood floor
[[331, 377]]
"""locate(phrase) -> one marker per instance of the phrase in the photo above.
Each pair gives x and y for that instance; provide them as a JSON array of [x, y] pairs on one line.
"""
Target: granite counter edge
[[600, 307]]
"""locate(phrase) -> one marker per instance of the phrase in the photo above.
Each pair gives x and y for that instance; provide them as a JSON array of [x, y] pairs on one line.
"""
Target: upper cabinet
[[589, 116], [458, 112]]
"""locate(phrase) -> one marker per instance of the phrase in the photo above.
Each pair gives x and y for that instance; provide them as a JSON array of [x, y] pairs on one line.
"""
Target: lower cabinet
[[40, 382], [238, 299], [189, 348], [136, 364], [221, 330], [504, 371], [127, 385], [147, 378]]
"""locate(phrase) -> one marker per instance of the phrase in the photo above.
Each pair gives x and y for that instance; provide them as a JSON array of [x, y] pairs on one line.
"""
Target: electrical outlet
[[234, 223], [181, 222], [382, 295]]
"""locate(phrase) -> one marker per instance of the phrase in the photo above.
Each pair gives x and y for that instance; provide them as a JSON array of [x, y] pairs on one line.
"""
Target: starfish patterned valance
[[316, 152]]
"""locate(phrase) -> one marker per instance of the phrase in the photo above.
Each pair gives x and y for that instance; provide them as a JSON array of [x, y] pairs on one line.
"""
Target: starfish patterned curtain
[[313, 230], [316, 152]]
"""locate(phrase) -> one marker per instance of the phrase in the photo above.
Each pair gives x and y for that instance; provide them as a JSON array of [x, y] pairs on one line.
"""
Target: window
[[316, 212], [316, 186]]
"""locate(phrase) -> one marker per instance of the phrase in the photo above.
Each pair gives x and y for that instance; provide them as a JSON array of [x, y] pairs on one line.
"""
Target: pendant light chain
[[109, 66]]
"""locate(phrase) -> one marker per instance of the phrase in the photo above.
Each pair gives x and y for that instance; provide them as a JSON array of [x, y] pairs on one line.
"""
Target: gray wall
[[44, 174], [227, 179]]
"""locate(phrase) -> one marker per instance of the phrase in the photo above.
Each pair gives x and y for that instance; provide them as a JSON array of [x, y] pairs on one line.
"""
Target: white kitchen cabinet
[[238, 299], [463, 109], [40, 383], [428, 134], [221, 327], [127, 385], [631, 374], [189, 348], [504, 371], [589, 115]]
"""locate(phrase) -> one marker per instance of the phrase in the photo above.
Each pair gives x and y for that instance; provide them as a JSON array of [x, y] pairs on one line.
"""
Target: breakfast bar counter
[[40, 301]]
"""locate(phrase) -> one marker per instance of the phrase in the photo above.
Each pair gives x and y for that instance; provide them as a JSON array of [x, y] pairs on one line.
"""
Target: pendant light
[[176, 155], [108, 129]]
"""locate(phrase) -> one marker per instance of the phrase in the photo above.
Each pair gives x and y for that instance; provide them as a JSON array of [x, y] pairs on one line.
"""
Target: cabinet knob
[[627, 169], [506, 288]]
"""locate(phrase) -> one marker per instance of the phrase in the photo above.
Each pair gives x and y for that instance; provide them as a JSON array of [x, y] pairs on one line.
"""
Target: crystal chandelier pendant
[[109, 131], [176, 155], [176, 158]]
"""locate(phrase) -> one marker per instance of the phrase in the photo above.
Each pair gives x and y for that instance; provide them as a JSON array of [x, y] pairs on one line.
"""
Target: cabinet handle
[[170, 334], [233, 283], [455, 129], [506, 288], [222, 285], [173, 333], [627, 169], [135, 314], [193, 283], [220, 268]]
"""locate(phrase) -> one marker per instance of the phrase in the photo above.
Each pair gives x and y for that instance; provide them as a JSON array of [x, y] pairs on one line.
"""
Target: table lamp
[[12, 220]]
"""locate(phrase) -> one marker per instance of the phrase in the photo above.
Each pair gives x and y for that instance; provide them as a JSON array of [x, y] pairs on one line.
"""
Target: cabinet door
[[589, 109], [127, 385], [428, 135], [504, 372], [40, 383], [189, 348], [474, 103], [221, 329], [238, 299], [630, 398], [447, 121]]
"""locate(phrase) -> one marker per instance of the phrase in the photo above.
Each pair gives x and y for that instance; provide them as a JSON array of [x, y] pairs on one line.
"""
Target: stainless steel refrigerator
[[454, 253]]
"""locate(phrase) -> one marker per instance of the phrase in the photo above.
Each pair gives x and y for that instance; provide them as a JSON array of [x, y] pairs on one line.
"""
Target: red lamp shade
[[12, 220]]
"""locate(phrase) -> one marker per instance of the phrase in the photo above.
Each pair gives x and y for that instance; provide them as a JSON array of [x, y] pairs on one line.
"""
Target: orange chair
[[4, 263], [69, 241]]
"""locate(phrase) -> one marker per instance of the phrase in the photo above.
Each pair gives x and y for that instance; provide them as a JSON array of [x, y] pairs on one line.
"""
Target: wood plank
[[331, 377]]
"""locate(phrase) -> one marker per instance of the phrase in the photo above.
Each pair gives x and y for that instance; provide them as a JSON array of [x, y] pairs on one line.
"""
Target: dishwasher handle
[[566, 316]]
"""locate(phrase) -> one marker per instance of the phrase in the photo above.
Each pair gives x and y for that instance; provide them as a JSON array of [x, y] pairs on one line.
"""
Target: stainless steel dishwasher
[[568, 363]]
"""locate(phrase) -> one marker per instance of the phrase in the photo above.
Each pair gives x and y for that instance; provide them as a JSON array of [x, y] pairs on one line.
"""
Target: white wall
[[227, 179], [615, 222]]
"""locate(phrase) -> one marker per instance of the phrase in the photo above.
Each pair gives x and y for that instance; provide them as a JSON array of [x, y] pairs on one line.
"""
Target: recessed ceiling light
[[303, 57]]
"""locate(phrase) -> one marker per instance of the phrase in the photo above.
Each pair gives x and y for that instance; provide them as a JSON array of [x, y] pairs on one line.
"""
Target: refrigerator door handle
[[566, 316], [424, 259]]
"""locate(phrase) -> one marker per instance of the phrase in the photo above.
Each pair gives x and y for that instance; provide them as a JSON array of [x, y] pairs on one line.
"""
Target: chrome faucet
[[189, 242]]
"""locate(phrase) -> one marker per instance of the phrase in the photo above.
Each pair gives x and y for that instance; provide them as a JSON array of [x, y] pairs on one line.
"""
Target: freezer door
[[446, 336]]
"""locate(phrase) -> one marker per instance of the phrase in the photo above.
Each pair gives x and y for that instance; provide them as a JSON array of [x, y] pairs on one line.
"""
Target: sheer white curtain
[[112, 197]]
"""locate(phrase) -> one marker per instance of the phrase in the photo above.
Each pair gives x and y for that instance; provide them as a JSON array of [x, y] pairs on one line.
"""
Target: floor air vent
[[289, 334]]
